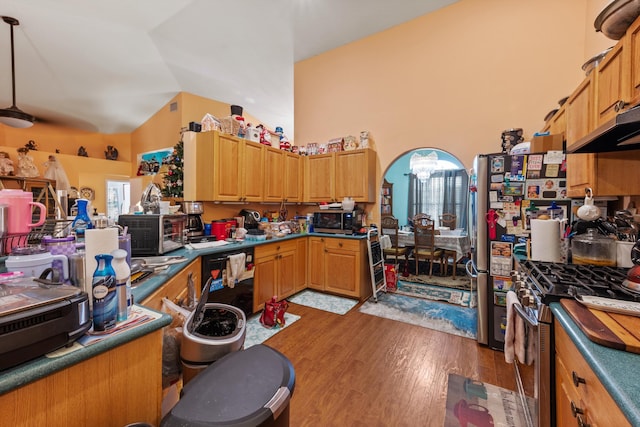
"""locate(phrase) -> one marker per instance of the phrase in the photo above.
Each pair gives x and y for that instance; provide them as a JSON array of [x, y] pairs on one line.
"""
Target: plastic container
[[123, 283], [104, 296], [82, 220], [594, 249]]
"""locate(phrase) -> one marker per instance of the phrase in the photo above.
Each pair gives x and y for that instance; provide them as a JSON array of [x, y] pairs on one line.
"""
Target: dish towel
[[514, 337], [235, 268], [385, 242]]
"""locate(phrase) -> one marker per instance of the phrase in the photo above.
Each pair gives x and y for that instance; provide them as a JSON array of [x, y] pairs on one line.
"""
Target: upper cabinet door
[[253, 175], [353, 169], [632, 48], [579, 111], [293, 177], [612, 84], [274, 174], [227, 168], [319, 178]]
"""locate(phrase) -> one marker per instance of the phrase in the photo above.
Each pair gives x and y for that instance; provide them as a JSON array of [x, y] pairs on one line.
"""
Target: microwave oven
[[153, 234], [337, 221]]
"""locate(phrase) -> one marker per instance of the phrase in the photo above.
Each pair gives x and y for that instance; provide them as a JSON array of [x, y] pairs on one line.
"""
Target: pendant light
[[13, 116]]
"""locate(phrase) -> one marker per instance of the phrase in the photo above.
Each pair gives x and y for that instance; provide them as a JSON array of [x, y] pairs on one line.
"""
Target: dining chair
[[424, 243], [449, 220], [390, 228]]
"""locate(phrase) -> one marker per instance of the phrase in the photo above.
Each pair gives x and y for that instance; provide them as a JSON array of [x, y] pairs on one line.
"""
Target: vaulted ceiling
[[109, 66]]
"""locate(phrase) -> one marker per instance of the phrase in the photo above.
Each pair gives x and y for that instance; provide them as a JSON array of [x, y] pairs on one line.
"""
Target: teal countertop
[[617, 370], [41, 367]]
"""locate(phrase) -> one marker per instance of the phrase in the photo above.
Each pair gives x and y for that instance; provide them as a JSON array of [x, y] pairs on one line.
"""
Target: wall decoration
[[149, 163]]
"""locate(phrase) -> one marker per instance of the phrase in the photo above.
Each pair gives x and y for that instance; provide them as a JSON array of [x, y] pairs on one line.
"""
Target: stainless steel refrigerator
[[507, 191]]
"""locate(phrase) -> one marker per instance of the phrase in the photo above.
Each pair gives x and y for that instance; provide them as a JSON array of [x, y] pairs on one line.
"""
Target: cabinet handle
[[575, 410], [576, 379], [619, 106], [582, 423], [340, 244]]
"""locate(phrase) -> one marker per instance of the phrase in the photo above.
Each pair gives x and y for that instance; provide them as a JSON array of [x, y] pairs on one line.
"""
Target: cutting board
[[618, 331]]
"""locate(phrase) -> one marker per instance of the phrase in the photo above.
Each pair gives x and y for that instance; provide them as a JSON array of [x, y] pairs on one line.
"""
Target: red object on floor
[[391, 274]]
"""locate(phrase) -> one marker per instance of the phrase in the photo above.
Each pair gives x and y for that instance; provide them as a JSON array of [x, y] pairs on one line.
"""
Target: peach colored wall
[[453, 79], [50, 137]]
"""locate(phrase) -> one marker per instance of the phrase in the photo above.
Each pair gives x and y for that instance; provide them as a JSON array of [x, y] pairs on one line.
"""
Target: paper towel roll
[[97, 241], [545, 240]]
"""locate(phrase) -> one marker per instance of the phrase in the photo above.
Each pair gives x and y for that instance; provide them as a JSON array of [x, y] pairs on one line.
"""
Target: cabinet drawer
[[175, 288], [598, 404], [274, 248], [345, 244]]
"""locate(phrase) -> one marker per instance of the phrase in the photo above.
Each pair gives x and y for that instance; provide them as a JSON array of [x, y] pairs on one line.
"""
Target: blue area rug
[[257, 334], [437, 293], [461, 321], [324, 302]]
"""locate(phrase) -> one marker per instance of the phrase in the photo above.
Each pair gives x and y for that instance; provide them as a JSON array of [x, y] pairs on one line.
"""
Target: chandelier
[[423, 165]]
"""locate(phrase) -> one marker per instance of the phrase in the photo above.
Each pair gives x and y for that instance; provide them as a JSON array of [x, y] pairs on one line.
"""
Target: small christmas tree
[[172, 184]]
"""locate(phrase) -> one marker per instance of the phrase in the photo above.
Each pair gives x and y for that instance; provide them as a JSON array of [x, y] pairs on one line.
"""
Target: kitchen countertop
[[44, 366], [616, 369]]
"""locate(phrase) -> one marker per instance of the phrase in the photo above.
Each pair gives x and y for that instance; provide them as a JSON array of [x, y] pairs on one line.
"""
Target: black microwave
[[154, 234], [337, 221]]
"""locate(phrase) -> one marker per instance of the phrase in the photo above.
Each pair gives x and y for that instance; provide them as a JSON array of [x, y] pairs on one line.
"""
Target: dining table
[[451, 242]]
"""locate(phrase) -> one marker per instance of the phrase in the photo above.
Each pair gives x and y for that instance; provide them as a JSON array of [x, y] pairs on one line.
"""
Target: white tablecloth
[[460, 244]]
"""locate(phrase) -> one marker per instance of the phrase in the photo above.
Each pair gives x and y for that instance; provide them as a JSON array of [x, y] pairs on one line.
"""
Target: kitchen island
[[113, 382], [616, 370]]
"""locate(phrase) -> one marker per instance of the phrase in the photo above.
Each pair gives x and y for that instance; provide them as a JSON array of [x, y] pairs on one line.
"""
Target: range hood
[[618, 134]]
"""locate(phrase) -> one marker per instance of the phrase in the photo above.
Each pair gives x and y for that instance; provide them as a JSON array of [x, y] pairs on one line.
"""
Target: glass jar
[[593, 248]]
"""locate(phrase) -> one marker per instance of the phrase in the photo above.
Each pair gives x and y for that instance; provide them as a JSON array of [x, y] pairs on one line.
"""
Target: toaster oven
[[154, 234]]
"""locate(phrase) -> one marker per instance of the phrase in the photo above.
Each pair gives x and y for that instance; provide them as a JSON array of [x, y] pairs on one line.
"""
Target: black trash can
[[246, 388]]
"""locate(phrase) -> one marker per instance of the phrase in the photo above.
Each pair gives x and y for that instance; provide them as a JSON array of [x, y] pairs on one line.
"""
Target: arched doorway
[[427, 180]]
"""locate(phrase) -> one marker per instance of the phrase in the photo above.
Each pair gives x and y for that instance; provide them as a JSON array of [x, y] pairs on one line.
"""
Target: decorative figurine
[[26, 166], [82, 152], [31, 145], [55, 171], [6, 164], [111, 153]]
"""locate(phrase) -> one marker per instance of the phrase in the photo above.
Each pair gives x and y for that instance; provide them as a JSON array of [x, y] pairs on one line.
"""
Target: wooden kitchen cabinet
[[558, 123], [279, 270], [319, 183], [607, 174], [175, 289], [580, 111], [118, 387], [611, 84], [222, 168], [333, 176], [339, 266], [283, 176], [632, 47], [580, 395]]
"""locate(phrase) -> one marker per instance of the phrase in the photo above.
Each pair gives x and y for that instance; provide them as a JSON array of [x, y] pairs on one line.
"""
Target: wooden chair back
[[448, 220], [420, 218], [424, 234], [389, 225]]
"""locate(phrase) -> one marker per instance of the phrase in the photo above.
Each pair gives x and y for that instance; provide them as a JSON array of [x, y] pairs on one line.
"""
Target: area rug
[[460, 282], [440, 316], [471, 402], [324, 302], [256, 333], [437, 293]]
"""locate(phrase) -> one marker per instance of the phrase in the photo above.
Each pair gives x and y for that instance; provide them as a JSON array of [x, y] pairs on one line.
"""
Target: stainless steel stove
[[539, 284]]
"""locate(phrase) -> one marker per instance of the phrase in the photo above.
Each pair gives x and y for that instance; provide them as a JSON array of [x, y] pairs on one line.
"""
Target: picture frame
[[149, 163]]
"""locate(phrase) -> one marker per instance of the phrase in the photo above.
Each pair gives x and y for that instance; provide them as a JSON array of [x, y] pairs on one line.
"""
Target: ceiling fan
[[13, 116]]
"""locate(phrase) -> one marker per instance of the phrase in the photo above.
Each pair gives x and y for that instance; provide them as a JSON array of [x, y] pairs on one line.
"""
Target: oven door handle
[[531, 321]]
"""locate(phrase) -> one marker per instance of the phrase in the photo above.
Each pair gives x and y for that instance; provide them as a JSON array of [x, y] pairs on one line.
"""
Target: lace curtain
[[445, 191]]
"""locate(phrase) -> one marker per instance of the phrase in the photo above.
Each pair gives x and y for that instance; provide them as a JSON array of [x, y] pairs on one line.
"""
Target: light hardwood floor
[[361, 370]]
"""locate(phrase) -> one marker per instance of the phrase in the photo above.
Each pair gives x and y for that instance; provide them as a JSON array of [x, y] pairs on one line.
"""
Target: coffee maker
[[195, 226]]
